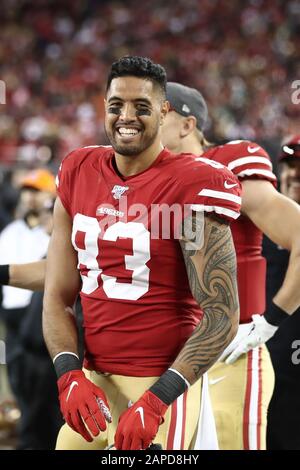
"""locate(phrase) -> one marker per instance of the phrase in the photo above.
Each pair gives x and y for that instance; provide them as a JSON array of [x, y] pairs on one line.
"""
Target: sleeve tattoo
[[211, 272]]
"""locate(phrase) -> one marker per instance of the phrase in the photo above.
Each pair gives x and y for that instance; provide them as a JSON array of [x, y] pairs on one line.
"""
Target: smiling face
[[290, 178], [134, 111]]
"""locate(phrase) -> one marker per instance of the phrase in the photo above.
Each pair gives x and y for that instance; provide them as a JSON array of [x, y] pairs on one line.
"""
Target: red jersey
[[247, 160], [137, 305]]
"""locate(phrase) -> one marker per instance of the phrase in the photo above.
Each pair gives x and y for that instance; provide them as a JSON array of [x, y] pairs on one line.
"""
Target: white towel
[[206, 434]]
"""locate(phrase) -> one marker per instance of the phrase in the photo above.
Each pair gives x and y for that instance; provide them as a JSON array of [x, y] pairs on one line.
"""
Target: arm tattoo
[[211, 272]]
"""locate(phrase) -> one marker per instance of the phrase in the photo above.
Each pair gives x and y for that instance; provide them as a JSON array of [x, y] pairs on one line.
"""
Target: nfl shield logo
[[118, 191]]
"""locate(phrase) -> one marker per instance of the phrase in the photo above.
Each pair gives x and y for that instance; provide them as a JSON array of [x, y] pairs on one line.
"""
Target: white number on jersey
[[212, 163], [87, 256]]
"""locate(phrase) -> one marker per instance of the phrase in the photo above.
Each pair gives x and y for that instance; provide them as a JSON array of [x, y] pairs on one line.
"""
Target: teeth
[[126, 131]]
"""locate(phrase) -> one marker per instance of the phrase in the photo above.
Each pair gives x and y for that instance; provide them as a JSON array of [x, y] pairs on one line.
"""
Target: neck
[[189, 144], [132, 165]]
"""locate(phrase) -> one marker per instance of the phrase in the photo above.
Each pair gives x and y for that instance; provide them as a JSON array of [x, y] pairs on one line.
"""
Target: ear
[[164, 111], [188, 126]]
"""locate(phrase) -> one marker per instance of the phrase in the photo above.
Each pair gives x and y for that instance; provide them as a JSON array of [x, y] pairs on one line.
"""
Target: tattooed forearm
[[212, 276]]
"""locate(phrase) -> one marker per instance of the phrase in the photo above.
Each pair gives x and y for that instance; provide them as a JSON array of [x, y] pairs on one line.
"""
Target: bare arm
[[279, 218], [212, 276], [28, 276], [61, 287]]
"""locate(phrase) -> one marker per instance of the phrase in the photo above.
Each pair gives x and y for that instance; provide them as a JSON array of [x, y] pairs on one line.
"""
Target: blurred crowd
[[54, 55]]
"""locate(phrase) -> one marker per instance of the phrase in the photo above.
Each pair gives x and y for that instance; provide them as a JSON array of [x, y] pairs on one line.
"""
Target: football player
[[147, 341], [283, 423], [241, 387]]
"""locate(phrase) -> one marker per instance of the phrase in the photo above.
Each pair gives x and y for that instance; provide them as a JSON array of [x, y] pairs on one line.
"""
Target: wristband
[[65, 362], [4, 274], [169, 386], [275, 315]]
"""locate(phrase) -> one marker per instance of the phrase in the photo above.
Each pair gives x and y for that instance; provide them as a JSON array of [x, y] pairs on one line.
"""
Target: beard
[[131, 149]]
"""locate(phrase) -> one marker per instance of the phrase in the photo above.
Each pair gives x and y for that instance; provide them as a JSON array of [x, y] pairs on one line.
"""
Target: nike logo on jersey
[[73, 384], [215, 381], [252, 149], [140, 410], [229, 185]]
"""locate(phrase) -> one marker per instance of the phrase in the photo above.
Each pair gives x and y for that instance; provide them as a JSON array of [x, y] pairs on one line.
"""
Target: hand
[[139, 424], [248, 337], [83, 404]]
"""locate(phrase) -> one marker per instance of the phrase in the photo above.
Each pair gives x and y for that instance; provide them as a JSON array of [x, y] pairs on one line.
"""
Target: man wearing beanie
[[241, 383]]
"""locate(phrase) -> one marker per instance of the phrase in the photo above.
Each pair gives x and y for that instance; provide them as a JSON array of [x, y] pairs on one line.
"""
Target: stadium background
[[244, 56]]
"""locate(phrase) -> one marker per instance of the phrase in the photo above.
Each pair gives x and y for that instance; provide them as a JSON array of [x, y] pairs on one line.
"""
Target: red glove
[[139, 424], [83, 403]]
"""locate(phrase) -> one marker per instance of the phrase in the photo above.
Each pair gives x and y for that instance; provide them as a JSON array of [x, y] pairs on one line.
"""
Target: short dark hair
[[141, 67]]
